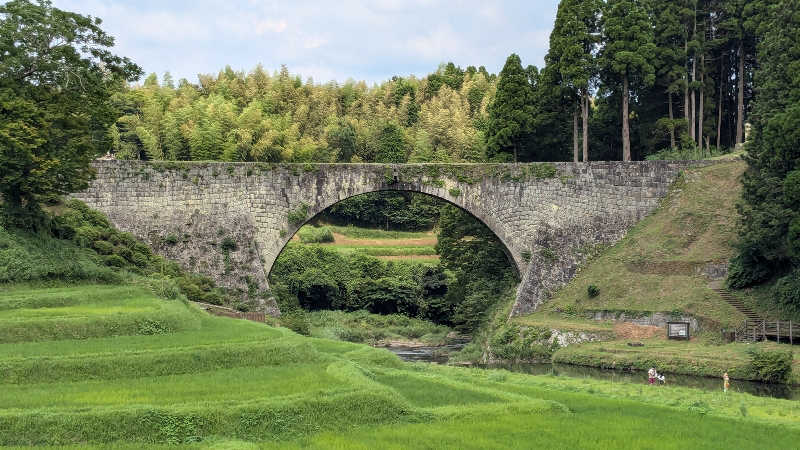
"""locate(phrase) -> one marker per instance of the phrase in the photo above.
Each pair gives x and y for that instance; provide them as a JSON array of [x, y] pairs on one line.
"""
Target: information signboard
[[678, 330]]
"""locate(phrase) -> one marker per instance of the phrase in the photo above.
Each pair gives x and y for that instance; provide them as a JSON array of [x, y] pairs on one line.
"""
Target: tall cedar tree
[[510, 115], [741, 20], [56, 77], [571, 54], [628, 55], [770, 209], [670, 56]]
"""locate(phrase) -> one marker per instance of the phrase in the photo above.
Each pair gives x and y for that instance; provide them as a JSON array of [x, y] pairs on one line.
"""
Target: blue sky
[[326, 40]]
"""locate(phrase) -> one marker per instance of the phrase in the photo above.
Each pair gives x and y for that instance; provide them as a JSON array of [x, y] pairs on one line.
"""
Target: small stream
[[439, 355]]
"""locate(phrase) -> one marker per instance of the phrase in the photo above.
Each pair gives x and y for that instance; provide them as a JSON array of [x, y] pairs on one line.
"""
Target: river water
[[439, 355]]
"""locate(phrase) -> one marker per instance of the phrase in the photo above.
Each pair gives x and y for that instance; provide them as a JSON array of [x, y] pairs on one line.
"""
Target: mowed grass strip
[[17, 297], [355, 232], [152, 363], [169, 317], [377, 250], [228, 385], [254, 421], [211, 330]]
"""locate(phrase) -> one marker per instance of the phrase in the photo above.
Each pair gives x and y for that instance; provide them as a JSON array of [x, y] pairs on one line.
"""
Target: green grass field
[[215, 382]]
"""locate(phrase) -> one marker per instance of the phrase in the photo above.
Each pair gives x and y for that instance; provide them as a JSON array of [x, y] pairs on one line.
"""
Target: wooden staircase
[[756, 328], [749, 314]]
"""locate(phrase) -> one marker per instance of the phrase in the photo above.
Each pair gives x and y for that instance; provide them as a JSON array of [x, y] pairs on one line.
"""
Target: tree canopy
[[56, 77]]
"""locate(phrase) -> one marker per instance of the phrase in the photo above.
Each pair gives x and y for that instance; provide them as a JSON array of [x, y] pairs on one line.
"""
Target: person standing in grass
[[651, 375], [726, 382]]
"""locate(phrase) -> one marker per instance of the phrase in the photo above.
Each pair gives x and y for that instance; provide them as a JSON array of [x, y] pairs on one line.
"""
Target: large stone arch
[[548, 215]]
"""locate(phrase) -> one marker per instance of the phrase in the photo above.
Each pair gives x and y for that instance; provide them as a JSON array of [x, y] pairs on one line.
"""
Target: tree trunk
[[671, 122], [693, 113], [686, 87], [701, 111], [626, 136], [740, 100], [585, 117], [575, 135], [719, 104]]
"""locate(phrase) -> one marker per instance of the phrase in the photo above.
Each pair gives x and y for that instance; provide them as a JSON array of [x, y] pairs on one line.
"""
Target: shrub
[[771, 366], [787, 292], [548, 254], [171, 239], [297, 216], [297, 321], [592, 291], [115, 261], [103, 247], [139, 259], [312, 235], [228, 245]]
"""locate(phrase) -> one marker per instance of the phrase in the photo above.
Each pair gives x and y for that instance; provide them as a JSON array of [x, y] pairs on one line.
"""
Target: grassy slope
[[655, 267], [227, 382]]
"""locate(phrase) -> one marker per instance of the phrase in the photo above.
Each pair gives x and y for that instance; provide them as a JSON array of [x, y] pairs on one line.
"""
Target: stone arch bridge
[[231, 220]]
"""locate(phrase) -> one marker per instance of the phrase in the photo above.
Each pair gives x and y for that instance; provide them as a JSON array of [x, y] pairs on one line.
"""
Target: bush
[[297, 321], [171, 239], [115, 261], [313, 235], [592, 291], [228, 245], [786, 292], [771, 366], [746, 269], [297, 216], [103, 247]]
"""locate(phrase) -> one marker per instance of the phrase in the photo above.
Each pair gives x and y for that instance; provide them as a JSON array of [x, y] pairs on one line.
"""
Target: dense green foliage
[[56, 78], [390, 210], [317, 278], [476, 276], [476, 257], [770, 210], [361, 326], [79, 244]]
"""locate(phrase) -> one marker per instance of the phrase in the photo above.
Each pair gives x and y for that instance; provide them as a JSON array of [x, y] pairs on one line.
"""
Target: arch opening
[[428, 274]]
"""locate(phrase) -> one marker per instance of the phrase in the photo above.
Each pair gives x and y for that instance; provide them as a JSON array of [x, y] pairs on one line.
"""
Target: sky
[[326, 40]]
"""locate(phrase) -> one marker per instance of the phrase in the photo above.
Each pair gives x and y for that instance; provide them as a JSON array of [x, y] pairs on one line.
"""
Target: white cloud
[[272, 26], [370, 40]]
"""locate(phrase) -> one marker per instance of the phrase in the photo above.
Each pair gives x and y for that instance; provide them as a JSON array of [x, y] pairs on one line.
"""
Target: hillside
[[663, 264], [186, 377]]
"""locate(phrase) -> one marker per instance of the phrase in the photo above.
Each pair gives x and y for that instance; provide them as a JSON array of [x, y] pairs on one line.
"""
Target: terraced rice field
[[92, 365], [407, 246]]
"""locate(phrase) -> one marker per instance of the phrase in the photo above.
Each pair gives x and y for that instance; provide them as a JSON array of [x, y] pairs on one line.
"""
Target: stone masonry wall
[[549, 215]]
